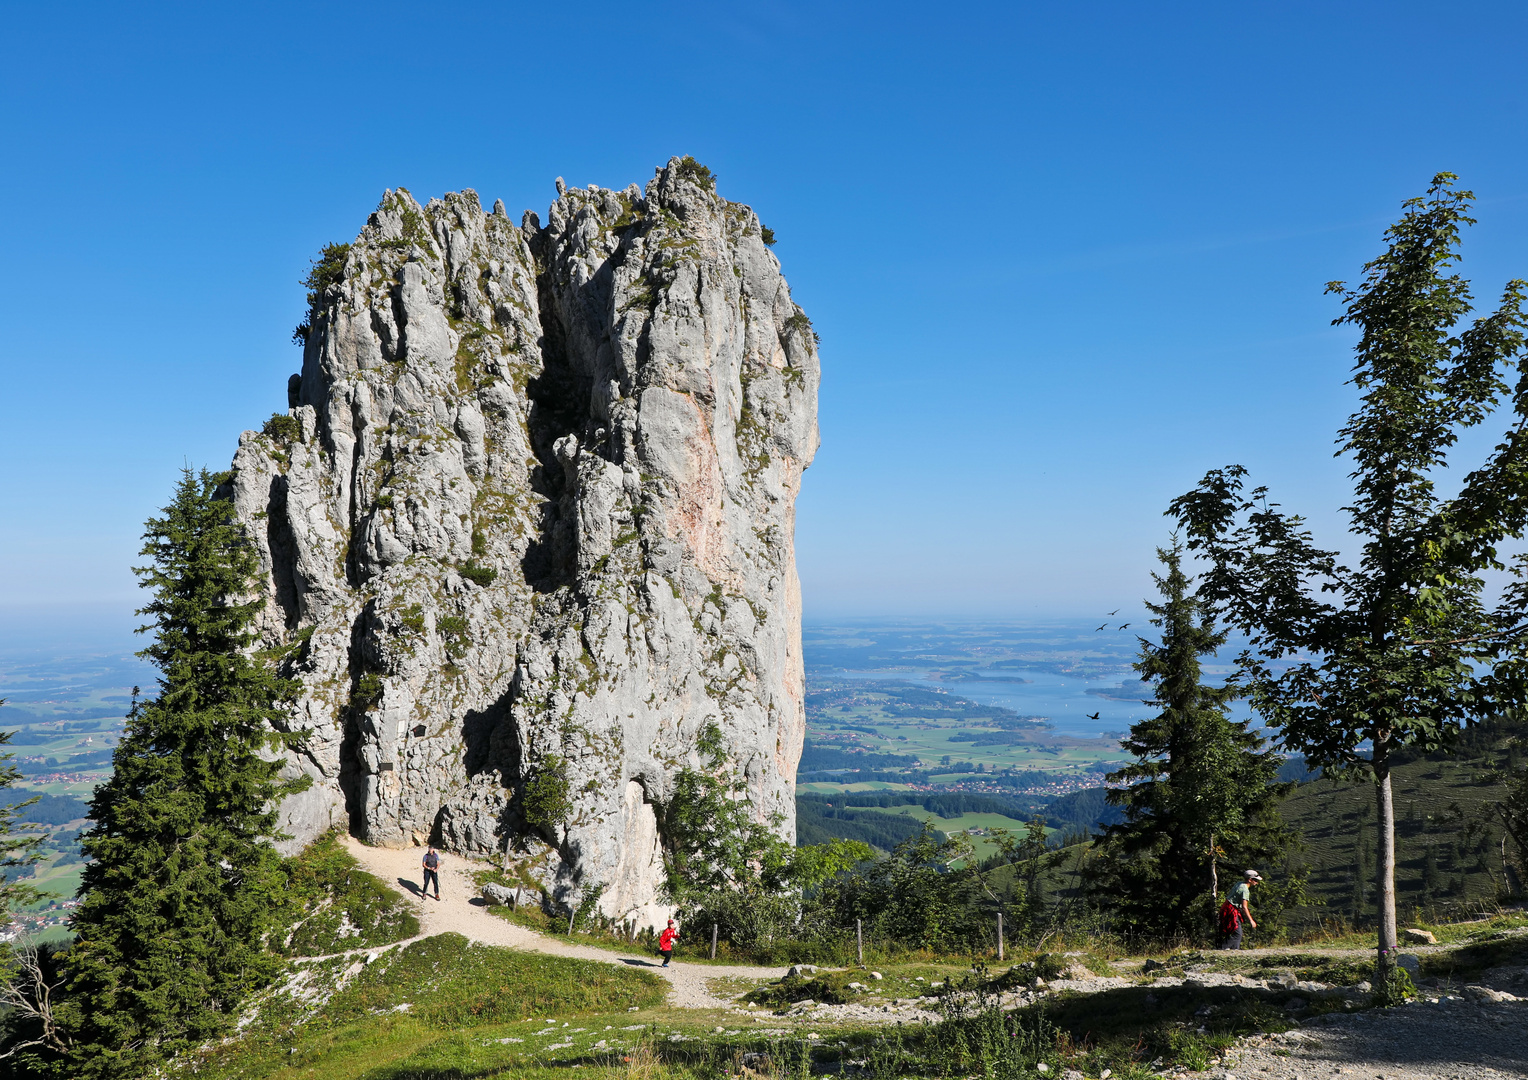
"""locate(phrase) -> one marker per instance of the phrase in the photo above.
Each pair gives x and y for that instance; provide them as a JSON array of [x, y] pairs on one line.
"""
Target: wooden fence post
[[573, 914], [713, 940], [859, 941], [1000, 937]]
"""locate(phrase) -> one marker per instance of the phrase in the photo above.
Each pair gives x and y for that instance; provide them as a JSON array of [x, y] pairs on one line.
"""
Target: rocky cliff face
[[534, 511]]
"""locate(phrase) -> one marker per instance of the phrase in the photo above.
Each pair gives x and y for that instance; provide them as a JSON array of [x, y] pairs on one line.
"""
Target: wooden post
[[572, 914], [714, 929], [1000, 937], [859, 941]]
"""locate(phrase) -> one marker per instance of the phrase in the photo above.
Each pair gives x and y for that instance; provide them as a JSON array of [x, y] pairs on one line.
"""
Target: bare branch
[[25, 990]]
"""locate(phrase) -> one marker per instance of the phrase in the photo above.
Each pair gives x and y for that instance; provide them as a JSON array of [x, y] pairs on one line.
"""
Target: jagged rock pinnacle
[[539, 506]]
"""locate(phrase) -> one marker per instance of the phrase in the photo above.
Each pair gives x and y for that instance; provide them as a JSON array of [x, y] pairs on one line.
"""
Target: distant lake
[[1044, 653], [1062, 699]]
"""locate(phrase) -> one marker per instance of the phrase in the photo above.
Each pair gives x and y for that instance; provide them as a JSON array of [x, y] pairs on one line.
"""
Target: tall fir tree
[[17, 850], [1201, 793], [177, 895]]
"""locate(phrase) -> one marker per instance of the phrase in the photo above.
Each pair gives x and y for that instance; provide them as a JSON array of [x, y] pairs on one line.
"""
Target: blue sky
[[1063, 257]]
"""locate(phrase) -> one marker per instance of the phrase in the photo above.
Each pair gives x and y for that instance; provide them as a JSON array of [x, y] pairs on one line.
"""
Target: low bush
[[282, 428], [478, 575], [828, 987], [1044, 966]]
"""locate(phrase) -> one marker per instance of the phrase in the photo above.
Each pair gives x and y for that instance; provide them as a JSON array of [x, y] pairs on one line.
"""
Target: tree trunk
[[1214, 891], [1385, 842]]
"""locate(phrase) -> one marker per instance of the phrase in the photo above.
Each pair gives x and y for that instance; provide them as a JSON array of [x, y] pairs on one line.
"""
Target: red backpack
[[1230, 918]]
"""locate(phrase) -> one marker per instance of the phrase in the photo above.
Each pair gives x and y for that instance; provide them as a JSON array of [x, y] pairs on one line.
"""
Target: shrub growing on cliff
[[282, 428], [324, 271], [696, 173], [178, 898], [547, 801]]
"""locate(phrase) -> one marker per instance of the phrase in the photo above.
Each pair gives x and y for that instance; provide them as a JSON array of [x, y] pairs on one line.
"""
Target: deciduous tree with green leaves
[[726, 866], [177, 897], [1201, 791], [1351, 664]]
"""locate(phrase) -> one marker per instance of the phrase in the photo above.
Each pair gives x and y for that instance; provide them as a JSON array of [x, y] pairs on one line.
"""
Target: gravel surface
[[1450, 1040]]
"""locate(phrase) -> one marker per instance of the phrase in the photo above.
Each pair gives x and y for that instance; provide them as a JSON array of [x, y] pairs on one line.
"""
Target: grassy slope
[[437, 1004], [1442, 806]]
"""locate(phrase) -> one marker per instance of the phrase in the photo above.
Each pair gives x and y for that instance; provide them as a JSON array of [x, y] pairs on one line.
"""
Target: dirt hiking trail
[[461, 909]]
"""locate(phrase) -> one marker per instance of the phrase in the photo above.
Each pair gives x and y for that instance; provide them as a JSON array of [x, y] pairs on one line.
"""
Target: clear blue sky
[[1063, 257]]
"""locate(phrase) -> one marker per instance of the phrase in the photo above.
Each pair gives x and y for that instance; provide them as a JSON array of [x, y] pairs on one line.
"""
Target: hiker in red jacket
[[666, 942]]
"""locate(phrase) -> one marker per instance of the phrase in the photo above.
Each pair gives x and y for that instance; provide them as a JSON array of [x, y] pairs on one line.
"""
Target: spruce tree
[[177, 894], [1200, 793], [17, 851]]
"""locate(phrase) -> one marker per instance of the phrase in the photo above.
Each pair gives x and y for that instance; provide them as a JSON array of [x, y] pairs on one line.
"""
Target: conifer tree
[[176, 896], [16, 851], [1201, 790]]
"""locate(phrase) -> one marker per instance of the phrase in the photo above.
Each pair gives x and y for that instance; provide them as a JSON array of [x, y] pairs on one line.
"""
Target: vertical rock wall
[[537, 506]]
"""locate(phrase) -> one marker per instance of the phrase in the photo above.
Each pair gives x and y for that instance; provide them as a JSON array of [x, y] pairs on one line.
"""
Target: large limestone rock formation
[[535, 504]]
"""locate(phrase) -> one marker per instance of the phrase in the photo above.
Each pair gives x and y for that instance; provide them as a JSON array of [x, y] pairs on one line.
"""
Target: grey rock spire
[[540, 507]]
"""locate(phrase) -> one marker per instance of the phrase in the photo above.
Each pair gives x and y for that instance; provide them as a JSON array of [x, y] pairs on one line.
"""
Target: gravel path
[[461, 909], [1452, 1040]]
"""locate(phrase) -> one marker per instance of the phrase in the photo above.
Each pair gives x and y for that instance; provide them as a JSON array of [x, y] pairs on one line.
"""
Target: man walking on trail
[[1236, 913], [666, 942], [431, 866]]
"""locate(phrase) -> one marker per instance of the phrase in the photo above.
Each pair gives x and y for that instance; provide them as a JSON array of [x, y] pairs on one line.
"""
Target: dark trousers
[[429, 876], [667, 954], [1232, 941]]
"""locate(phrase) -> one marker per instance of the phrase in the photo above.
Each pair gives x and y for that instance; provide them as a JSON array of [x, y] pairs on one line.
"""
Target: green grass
[[1474, 956], [333, 905], [439, 1000]]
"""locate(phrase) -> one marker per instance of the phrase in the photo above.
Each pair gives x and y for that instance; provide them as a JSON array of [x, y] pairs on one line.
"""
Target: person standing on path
[[1239, 900], [666, 942], [431, 867]]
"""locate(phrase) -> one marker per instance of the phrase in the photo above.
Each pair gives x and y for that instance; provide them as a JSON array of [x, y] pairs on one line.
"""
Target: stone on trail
[[1485, 993], [1414, 936], [495, 893]]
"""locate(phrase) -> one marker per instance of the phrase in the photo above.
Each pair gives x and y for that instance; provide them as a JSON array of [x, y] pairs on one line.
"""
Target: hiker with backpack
[[666, 942], [1236, 912], [431, 866]]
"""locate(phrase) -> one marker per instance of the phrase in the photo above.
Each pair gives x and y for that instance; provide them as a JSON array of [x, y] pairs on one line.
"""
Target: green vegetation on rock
[[330, 904]]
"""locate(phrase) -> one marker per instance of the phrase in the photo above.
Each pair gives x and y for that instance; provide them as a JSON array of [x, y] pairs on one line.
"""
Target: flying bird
[[1125, 627], [1093, 716], [1105, 626], [1115, 611]]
